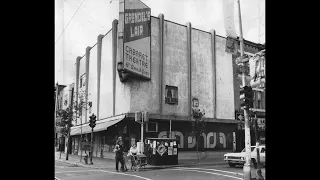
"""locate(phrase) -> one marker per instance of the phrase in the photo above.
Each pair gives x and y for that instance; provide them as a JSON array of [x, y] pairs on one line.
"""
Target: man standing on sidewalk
[[119, 154]]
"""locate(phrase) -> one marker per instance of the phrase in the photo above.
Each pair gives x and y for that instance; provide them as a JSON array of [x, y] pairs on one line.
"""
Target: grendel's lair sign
[[136, 38]]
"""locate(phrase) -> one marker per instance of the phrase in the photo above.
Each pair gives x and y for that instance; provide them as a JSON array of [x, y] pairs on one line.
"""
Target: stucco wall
[[92, 83], [175, 66], [202, 74], [145, 94], [82, 67], [224, 72], [106, 90], [134, 94]]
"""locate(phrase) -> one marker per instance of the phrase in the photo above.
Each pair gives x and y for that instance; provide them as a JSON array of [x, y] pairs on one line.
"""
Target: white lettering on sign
[[192, 141], [137, 61], [136, 17], [136, 31], [137, 38]]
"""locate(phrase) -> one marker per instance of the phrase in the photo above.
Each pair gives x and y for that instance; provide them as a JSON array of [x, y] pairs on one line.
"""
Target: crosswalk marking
[[216, 170], [207, 173]]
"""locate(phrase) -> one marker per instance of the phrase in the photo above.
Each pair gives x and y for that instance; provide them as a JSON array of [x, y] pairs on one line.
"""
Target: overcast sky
[[79, 22]]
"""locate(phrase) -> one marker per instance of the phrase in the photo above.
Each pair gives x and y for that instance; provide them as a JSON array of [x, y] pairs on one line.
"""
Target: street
[[64, 171]]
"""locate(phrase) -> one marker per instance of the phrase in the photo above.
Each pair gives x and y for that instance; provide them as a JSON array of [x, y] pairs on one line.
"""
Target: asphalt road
[[200, 172]]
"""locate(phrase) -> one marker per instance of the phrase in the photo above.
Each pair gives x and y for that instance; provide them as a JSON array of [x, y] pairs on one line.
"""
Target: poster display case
[[161, 151]]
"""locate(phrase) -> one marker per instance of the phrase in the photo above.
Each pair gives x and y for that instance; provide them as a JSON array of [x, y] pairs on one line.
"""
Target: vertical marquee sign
[[136, 38]]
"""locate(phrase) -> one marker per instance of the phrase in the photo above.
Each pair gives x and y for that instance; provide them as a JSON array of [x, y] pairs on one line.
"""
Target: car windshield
[[244, 149]]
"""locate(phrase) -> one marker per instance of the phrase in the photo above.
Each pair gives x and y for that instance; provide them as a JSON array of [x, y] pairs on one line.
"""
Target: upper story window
[[258, 99], [82, 80], [171, 93]]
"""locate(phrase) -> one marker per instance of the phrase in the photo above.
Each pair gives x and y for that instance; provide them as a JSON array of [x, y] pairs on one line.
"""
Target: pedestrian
[[133, 152], [119, 154]]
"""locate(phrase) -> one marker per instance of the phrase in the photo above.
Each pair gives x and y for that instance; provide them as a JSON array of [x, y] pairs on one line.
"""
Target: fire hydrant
[[86, 158]]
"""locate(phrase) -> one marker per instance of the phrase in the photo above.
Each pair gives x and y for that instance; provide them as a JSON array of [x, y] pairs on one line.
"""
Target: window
[[152, 127], [258, 99], [263, 150], [83, 80], [171, 95]]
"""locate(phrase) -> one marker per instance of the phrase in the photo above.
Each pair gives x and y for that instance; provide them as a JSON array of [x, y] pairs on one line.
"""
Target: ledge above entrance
[[100, 125], [182, 118]]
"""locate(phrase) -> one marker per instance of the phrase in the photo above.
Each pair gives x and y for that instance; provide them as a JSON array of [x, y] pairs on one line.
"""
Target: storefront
[[240, 135], [217, 136]]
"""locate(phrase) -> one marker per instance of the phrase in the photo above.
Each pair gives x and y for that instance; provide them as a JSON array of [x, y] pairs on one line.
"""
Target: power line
[[69, 22]]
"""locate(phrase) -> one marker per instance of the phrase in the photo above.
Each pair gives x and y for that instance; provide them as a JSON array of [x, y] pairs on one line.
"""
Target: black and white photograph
[[159, 89]]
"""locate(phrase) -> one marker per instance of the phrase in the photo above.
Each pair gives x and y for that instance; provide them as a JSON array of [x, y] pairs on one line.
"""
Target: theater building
[[186, 68]]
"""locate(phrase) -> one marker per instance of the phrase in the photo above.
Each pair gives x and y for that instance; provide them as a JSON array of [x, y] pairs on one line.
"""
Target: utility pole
[[259, 21], [55, 113], [70, 121], [247, 165], [142, 121]]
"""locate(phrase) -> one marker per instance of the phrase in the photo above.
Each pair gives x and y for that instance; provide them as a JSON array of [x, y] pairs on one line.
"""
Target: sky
[[79, 22]]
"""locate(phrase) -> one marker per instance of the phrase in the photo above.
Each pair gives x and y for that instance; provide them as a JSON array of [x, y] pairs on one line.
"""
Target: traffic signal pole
[[247, 165], [91, 146], [92, 124]]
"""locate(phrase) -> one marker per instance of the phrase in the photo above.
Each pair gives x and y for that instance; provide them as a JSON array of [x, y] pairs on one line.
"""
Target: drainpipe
[[214, 74], [161, 29]]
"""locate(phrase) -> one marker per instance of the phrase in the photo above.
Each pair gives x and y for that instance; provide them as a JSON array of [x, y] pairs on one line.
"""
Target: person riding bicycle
[[133, 152]]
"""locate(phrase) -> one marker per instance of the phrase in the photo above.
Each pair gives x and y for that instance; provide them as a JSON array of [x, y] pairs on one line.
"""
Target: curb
[[78, 164], [150, 166]]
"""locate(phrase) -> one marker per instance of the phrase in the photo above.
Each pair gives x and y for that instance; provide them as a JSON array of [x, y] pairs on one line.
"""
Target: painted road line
[[230, 172], [107, 172], [207, 173], [55, 178], [124, 174]]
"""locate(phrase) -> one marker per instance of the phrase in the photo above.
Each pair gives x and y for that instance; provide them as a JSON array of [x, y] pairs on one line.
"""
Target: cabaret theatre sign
[[136, 38]]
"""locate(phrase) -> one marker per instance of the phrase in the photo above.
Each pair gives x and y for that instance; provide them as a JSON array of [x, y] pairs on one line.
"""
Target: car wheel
[[254, 163], [232, 165]]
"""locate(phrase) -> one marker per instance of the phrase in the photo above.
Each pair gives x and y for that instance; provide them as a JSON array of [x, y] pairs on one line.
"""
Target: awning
[[100, 125]]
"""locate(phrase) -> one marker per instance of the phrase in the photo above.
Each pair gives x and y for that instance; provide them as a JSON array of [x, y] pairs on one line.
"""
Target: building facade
[[258, 110], [186, 64], [63, 101]]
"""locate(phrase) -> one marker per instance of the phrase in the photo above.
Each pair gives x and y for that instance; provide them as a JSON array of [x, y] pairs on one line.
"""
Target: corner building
[[186, 64]]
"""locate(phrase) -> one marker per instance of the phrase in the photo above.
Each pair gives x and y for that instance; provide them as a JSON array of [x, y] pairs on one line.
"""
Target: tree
[[198, 126], [66, 123], [78, 108], [71, 114]]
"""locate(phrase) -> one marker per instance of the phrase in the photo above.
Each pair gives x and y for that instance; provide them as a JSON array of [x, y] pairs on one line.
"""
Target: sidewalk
[[104, 163]]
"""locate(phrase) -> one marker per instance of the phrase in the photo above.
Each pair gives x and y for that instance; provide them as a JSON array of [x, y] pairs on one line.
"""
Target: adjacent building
[[258, 111]]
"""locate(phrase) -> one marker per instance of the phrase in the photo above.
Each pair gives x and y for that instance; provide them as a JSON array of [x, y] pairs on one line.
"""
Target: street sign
[[137, 38]]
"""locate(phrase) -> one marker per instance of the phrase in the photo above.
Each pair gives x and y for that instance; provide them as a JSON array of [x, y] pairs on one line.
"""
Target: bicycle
[[138, 161]]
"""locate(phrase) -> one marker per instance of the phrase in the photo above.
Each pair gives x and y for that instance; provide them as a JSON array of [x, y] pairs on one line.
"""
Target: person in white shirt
[[133, 152]]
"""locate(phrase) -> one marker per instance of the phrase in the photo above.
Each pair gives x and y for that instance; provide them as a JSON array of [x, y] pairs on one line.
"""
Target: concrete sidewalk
[[105, 163]]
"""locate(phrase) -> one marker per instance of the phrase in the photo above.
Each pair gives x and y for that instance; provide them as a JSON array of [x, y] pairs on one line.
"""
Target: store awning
[[100, 125]]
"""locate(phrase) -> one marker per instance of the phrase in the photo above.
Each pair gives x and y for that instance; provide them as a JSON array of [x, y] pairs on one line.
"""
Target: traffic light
[[145, 116], [138, 116], [246, 97], [92, 121]]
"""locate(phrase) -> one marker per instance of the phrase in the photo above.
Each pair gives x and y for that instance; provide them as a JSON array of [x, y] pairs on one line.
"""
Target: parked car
[[234, 159]]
